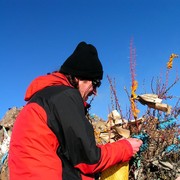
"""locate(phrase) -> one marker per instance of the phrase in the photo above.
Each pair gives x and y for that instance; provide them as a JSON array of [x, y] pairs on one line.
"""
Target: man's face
[[86, 89]]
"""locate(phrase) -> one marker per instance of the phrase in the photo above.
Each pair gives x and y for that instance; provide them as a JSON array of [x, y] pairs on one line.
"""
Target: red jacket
[[52, 139]]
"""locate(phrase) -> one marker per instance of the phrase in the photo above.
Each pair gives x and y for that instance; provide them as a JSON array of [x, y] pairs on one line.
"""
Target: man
[[51, 138]]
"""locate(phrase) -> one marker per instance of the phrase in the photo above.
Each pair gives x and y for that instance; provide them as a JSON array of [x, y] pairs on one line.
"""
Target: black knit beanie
[[83, 63]]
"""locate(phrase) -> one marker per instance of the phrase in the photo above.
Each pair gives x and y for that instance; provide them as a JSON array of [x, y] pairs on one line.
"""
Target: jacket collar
[[42, 82]]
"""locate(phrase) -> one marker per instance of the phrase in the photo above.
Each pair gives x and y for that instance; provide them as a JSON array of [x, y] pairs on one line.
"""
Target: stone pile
[[6, 125]]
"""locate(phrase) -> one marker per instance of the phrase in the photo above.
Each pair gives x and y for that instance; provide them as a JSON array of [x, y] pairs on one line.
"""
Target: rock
[[6, 125]]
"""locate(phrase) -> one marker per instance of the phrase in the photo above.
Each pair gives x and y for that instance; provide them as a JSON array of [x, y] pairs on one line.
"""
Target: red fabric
[[30, 130], [111, 154], [85, 177], [32, 152], [45, 81]]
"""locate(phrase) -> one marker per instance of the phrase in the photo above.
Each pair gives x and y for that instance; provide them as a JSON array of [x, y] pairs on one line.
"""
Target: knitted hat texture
[[83, 63]]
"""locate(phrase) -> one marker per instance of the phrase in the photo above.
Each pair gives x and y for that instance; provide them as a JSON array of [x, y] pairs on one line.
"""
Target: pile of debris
[[159, 156], [6, 125]]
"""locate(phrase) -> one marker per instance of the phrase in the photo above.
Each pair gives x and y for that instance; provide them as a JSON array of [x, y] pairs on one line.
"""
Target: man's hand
[[135, 143]]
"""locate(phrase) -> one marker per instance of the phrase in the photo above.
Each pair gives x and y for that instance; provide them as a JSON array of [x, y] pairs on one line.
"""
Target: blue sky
[[36, 36]]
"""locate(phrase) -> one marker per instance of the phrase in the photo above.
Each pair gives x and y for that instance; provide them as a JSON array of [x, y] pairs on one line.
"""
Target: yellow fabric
[[134, 88], [170, 62], [117, 172], [135, 111]]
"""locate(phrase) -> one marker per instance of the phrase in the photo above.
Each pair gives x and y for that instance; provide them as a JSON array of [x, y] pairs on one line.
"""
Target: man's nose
[[95, 91]]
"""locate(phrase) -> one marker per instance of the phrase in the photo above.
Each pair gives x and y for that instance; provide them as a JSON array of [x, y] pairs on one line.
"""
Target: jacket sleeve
[[32, 151], [78, 137]]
